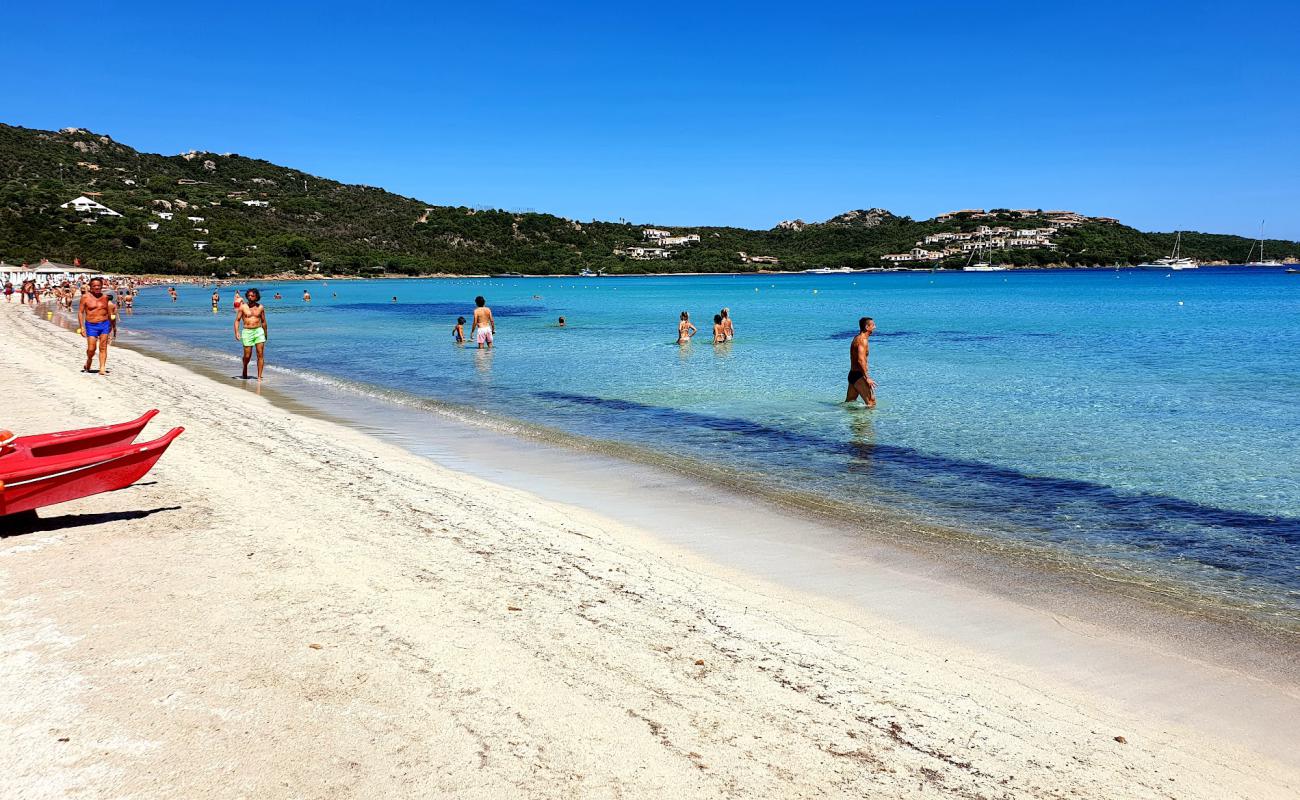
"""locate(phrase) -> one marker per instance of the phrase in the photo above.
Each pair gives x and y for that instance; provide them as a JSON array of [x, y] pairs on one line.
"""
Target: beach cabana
[[51, 271]]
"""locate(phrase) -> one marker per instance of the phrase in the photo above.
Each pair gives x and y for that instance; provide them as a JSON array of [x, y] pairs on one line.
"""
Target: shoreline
[[350, 403], [157, 280], [836, 659]]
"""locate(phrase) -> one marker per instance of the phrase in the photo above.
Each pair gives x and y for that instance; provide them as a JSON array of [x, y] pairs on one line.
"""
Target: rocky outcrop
[[868, 218]]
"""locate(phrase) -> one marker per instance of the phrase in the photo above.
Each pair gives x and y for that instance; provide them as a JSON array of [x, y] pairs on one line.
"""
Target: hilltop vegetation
[[309, 222]]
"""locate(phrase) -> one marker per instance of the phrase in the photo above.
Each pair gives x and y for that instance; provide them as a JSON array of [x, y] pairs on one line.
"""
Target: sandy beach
[[288, 608]]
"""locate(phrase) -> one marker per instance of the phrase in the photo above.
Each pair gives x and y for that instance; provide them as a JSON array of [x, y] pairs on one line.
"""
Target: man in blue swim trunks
[[95, 322]]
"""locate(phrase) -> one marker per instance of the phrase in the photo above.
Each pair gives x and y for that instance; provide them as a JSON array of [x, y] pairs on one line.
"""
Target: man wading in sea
[[251, 316], [860, 383], [484, 327], [94, 319]]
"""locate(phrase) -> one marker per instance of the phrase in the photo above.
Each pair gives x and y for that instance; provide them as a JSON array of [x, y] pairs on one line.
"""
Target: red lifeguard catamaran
[[45, 469]]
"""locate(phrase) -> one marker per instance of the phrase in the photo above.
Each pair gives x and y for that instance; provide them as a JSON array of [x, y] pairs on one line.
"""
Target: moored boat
[[1174, 261]]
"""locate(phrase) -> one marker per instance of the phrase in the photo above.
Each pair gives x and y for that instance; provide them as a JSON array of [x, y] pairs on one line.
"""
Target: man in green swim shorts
[[251, 329]]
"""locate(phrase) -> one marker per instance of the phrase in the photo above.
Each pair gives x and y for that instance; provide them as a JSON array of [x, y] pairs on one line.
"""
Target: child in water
[[458, 332]]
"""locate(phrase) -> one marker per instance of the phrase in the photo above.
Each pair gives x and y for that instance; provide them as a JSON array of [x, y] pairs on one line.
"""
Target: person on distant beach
[[484, 328], [719, 330], [93, 322], [860, 382], [251, 317], [9, 291], [728, 330], [306, 296], [458, 332], [685, 330]]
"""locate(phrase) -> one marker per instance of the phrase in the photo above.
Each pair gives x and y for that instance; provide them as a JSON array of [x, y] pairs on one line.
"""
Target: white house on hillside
[[85, 205]]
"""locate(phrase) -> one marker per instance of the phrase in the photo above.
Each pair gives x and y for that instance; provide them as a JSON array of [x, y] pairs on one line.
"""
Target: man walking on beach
[[484, 327], [95, 323], [860, 382], [251, 317]]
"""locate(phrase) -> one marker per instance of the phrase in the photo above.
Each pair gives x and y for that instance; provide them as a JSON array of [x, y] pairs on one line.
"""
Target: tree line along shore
[[77, 195]]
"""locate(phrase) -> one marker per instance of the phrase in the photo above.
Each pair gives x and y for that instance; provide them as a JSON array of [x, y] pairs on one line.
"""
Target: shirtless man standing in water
[[252, 317], [860, 382], [484, 327], [94, 319]]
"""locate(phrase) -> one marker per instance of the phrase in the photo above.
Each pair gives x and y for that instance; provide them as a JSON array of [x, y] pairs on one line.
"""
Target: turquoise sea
[[1141, 422]]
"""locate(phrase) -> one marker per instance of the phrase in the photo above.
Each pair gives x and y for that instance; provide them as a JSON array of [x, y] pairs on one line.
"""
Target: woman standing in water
[[685, 330]]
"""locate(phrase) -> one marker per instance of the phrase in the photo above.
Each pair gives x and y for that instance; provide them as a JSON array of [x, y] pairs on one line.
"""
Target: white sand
[[162, 641]]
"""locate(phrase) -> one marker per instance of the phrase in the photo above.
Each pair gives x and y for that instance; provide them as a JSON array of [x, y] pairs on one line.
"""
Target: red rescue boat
[[38, 471], [42, 445]]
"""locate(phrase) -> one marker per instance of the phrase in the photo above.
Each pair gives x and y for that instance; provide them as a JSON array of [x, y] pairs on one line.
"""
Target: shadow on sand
[[30, 522]]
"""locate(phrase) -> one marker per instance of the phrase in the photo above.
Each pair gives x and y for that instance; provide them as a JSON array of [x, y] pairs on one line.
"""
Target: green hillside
[[363, 229]]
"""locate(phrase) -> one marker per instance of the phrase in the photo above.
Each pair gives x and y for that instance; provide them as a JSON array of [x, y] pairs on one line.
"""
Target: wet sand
[[287, 607]]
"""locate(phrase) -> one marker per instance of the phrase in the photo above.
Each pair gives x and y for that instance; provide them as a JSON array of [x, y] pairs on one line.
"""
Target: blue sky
[[1167, 115]]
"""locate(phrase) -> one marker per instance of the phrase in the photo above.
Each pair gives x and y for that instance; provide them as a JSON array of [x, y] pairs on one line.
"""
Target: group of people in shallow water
[[97, 321], [723, 330]]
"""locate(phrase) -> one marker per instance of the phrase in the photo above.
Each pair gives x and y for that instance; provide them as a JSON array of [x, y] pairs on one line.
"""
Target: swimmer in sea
[[685, 330], [719, 330], [860, 382], [728, 330], [306, 296], [458, 332]]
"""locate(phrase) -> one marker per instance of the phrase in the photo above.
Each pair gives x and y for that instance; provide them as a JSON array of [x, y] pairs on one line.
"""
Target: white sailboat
[[1262, 262], [1173, 261]]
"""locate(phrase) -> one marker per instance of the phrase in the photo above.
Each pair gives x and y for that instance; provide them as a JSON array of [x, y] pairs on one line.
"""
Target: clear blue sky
[[1167, 115]]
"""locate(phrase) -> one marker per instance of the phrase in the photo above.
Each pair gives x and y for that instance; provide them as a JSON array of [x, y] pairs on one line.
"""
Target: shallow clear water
[[1144, 421]]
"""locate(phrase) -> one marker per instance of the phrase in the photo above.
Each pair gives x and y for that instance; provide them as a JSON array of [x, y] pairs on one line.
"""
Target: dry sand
[[286, 608]]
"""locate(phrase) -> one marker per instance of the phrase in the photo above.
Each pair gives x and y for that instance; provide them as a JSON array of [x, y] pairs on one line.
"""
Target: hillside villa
[[84, 205]]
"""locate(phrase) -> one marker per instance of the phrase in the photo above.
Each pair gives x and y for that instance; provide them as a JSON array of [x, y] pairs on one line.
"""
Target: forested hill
[[252, 217]]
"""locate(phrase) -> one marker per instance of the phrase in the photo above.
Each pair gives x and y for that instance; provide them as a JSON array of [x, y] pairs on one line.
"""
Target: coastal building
[[195, 219], [897, 258], [748, 259], [265, 203], [645, 253], [84, 205], [153, 226], [200, 245], [674, 241], [164, 214], [970, 212]]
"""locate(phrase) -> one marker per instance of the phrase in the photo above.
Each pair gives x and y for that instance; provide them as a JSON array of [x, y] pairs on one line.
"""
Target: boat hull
[[64, 442], [31, 483]]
